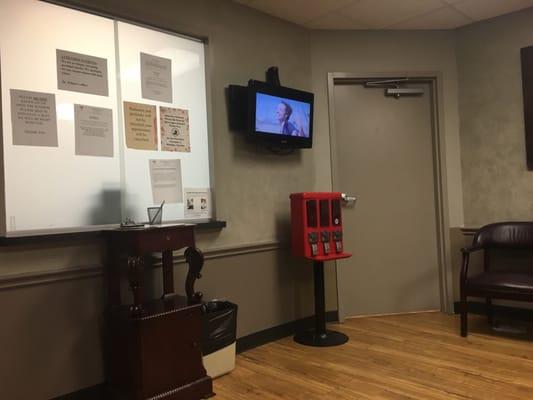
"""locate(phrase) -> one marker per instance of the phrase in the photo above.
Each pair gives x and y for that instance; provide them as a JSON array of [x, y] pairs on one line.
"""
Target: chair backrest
[[517, 235]]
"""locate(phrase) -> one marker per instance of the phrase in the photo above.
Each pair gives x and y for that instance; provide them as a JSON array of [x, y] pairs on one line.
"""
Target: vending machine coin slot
[[324, 237], [313, 241], [337, 238]]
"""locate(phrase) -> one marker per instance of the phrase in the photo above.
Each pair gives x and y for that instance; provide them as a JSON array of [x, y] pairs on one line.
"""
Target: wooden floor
[[415, 356]]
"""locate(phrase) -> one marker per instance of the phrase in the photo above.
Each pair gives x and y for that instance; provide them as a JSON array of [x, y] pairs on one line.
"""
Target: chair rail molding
[[61, 274]]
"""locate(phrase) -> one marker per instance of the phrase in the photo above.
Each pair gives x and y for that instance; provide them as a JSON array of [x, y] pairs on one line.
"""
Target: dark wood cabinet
[[154, 349]]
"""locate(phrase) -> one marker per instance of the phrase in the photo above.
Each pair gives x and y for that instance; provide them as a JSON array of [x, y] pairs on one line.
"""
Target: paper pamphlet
[[174, 124], [81, 73], [140, 126], [33, 117], [165, 176], [156, 78], [93, 131], [197, 203]]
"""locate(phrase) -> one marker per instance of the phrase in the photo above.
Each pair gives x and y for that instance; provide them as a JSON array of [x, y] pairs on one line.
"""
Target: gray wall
[[496, 183], [53, 293], [51, 334], [51, 337], [53, 324], [252, 185], [391, 51]]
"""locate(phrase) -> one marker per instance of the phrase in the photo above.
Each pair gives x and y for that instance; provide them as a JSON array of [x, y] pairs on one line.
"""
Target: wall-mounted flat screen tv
[[280, 115]]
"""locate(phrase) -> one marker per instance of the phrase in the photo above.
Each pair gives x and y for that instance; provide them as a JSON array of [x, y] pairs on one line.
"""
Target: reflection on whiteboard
[[174, 124], [156, 78], [93, 130], [81, 73], [140, 126], [165, 176], [197, 203], [33, 116]]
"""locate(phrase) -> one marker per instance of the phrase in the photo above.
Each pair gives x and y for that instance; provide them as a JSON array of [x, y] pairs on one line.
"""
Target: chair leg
[[464, 316], [490, 311]]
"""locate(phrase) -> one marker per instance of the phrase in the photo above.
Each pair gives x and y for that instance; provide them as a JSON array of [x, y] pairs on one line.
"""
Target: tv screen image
[[282, 116]]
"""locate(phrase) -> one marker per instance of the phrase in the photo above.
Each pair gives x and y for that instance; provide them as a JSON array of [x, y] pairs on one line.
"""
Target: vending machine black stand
[[320, 336], [316, 224]]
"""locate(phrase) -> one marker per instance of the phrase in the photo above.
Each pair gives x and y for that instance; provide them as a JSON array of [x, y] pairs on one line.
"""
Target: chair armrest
[[471, 249], [466, 260]]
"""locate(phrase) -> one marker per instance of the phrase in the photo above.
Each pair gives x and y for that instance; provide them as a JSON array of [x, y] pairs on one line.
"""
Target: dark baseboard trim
[[278, 332], [475, 307], [99, 392]]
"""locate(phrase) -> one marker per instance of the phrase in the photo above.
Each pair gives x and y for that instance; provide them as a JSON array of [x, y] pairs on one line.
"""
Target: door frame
[[434, 79]]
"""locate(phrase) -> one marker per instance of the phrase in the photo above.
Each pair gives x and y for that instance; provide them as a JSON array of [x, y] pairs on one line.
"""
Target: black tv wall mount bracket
[[272, 76]]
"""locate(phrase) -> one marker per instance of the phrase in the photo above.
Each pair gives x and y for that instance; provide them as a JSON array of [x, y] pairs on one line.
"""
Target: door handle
[[348, 201]]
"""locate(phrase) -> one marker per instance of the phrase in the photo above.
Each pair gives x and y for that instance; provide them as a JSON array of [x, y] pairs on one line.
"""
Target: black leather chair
[[509, 284]]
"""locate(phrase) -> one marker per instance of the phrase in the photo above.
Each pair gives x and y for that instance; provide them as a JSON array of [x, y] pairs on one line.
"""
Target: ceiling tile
[[445, 18], [483, 9], [383, 13], [335, 20], [299, 11]]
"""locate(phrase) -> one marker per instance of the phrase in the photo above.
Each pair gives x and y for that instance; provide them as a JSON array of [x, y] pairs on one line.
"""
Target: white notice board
[[65, 186], [188, 93]]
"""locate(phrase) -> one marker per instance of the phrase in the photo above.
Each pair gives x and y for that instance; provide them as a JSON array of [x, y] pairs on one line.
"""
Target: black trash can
[[219, 336]]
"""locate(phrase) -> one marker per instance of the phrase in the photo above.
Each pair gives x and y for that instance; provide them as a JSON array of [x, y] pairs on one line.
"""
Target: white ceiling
[[386, 14]]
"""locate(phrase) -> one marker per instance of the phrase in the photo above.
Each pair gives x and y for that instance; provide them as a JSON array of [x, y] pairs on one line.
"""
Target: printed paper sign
[[140, 126], [156, 78], [197, 203], [174, 125], [33, 116], [81, 73], [93, 130], [165, 176]]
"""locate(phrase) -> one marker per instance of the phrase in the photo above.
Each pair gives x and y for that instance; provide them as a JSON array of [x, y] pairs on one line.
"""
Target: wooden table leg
[[168, 273], [195, 259], [135, 275], [114, 266]]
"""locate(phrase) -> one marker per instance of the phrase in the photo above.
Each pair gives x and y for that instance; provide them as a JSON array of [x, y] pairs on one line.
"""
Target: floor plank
[[397, 357]]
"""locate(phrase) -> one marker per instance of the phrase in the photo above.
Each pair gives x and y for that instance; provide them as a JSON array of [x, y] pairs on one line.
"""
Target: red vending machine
[[316, 224]]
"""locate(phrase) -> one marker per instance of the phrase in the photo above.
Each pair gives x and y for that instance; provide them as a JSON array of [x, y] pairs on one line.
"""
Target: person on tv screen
[[283, 113]]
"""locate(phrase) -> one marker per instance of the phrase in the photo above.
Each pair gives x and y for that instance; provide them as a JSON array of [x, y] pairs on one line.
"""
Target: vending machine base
[[320, 336]]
